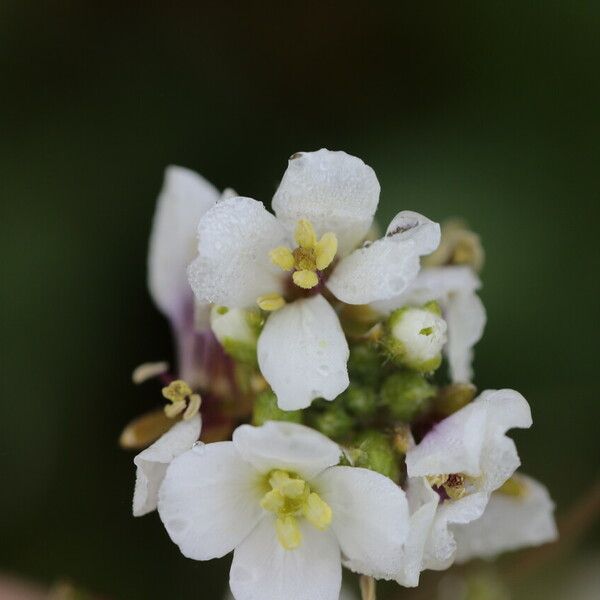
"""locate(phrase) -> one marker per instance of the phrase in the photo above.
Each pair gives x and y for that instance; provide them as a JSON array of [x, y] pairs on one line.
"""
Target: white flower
[[465, 458], [345, 594], [519, 514], [152, 463], [185, 197], [325, 202], [454, 288], [275, 496]]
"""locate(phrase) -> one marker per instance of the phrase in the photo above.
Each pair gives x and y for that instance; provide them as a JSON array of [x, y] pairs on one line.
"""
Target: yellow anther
[[305, 235], [437, 480], [306, 279], [317, 512], [325, 250], [177, 391], [270, 302], [174, 409], [282, 257], [514, 486], [273, 501], [193, 407], [288, 532]]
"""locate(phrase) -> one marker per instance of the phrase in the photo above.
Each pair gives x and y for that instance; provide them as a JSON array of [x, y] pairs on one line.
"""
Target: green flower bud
[[414, 337], [364, 364], [334, 422], [453, 397], [375, 452], [405, 394], [237, 331], [360, 400], [266, 409]]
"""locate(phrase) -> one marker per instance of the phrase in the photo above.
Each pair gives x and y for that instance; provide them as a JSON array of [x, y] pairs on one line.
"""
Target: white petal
[[422, 502], [346, 594], [233, 266], [152, 463], [465, 317], [410, 225], [472, 440], [288, 446], [509, 523], [209, 500], [302, 353], [333, 190], [370, 518], [183, 200], [376, 271], [263, 570]]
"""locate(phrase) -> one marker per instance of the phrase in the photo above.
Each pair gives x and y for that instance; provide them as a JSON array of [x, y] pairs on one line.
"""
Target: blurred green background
[[487, 110]]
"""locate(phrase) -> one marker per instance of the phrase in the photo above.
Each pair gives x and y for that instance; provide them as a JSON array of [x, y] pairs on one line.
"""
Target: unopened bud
[[376, 453], [334, 422], [406, 394], [453, 397], [364, 364], [360, 400], [266, 409], [415, 337], [237, 331]]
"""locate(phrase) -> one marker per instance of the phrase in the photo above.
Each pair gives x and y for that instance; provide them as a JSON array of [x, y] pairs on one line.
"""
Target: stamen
[[317, 512], [177, 391], [306, 279], [326, 249], [148, 370], [270, 302], [174, 409], [305, 235], [282, 257], [193, 407], [288, 532]]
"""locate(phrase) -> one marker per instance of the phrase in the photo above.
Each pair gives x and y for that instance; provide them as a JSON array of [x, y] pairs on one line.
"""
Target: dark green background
[[485, 110]]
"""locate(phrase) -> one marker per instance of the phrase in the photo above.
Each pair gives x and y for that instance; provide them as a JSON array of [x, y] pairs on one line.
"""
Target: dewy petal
[[233, 266], [334, 191], [508, 523], [410, 225], [263, 570], [287, 446], [302, 353], [152, 463], [184, 199], [209, 500], [473, 441], [385, 268], [370, 518], [454, 288], [346, 594]]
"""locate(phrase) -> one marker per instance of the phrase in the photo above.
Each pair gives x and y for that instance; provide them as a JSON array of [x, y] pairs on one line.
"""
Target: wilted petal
[[263, 570], [509, 522], [288, 446], [410, 225], [209, 500], [333, 190], [152, 463], [370, 518], [233, 266], [302, 353], [183, 200]]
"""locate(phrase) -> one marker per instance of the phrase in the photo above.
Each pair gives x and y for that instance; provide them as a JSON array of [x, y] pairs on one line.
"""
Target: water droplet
[[198, 447], [323, 370]]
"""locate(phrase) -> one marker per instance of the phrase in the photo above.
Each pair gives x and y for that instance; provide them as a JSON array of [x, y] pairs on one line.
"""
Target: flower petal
[[370, 518], [410, 225], [287, 446], [152, 463], [183, 200], [508, 523], [333, 190], [346, 594], [263, 570], [302, 353], [209, 501], [473, 440], [233, 267]]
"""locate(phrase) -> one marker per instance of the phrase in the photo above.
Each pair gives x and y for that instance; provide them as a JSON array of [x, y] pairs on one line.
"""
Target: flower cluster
[[322, 414]]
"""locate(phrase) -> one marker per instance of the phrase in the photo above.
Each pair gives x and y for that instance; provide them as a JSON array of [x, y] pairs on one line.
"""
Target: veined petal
[[287, 446], [333, 190], [376, 271], [410, 225], [209, 500], [152, 463], [370, 518], [508, 523], [233, 266], [473, 441], [263, 570], [184, 199], [302, 353]]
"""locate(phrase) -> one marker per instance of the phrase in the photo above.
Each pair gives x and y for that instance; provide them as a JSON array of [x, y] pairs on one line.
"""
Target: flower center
[[183, 400], [453, 486], [310, 256], [291, 498]]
